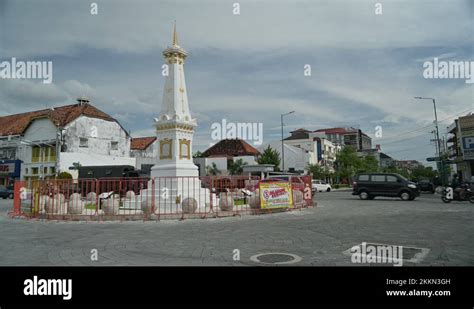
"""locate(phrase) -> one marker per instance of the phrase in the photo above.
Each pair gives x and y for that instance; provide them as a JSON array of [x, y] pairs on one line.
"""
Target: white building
[[320, 149], [296, 158], [49, 141], [224, 153], [145, 151]]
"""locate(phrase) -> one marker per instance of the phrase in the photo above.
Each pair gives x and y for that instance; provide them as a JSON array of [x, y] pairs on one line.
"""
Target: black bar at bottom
[[265, 285]]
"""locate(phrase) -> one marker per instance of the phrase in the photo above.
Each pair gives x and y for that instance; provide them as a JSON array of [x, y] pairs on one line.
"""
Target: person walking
[[454, 181]]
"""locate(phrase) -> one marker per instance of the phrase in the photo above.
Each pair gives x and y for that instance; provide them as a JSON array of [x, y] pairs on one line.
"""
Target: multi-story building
[[383, 159], [348, 136], [320, 149], [301, 138], [461, 145], [44, 142]]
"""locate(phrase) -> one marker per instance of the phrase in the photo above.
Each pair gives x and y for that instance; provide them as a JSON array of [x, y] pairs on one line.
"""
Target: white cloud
[[141, 26]]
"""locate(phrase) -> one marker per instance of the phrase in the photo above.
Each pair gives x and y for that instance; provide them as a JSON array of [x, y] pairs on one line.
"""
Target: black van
[[107, 171], [369, 185]]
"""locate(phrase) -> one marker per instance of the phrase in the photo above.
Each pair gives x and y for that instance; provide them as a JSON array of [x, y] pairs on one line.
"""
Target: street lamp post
[[282, 146], [438, 146]]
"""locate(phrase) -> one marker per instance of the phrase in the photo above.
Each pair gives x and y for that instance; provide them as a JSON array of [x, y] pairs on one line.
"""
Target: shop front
[[9, 172]]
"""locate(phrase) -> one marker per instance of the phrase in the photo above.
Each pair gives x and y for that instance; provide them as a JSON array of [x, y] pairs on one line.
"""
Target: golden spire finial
[[175, 35]]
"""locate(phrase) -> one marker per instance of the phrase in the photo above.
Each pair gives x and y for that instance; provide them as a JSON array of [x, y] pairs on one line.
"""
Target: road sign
[[433, 159]]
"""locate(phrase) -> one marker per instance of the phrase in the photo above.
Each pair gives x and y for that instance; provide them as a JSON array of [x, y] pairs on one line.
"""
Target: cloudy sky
[[366, 68]]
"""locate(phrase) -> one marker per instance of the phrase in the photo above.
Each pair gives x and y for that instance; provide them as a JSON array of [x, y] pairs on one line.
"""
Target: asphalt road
[[319, 235]]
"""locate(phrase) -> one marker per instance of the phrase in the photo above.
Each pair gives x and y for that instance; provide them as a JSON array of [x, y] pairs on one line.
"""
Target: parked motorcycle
[[468, 195]]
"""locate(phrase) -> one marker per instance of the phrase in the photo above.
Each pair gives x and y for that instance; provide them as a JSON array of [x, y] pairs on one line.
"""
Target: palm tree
[[237, 167], [212, 170]]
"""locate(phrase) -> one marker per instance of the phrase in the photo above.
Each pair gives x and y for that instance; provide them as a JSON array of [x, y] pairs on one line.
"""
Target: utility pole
[[441, 163], [282, 145]]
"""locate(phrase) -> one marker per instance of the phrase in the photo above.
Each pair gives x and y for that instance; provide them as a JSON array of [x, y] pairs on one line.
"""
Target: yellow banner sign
[[275, 195]]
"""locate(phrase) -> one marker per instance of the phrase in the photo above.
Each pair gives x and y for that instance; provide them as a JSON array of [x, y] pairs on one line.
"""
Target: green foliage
[[90, 206], [368, 164], [422, 172], [236, 167], [316, 170], [76, 165], [64, 175], [212, 170], [393, 169], [197, 154], [239, 201], [319, 172], [270, 156], [347, 163]]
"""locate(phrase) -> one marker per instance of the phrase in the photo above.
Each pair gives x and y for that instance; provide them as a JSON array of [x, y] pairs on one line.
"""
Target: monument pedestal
[[175, 169], [174, 182]]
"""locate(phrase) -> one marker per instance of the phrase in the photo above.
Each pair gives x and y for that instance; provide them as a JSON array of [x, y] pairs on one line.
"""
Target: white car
[[321, 185]]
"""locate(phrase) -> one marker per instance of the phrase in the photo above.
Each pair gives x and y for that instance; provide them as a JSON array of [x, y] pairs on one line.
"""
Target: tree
[[75, 166], [316, 170], [347, 163], [421, 172], [393, 169], [212, 170], [270, 156], [319, 172], [237, 167], [64, 175], [197, 154], [368, 164]]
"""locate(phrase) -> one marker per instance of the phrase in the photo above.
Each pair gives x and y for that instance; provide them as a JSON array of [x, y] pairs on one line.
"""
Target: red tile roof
[[60, 116], [142, 143], [231, 148]]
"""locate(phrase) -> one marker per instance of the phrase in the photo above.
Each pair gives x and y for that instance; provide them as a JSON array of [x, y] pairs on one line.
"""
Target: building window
[[83, 142], [34, 171], [52, 170], [36, 154], [50, 153], [45, 170], [114, 145]]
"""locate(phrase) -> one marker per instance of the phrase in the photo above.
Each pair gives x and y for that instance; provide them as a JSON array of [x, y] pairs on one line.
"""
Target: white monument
[[175, 126], [175, 174]]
